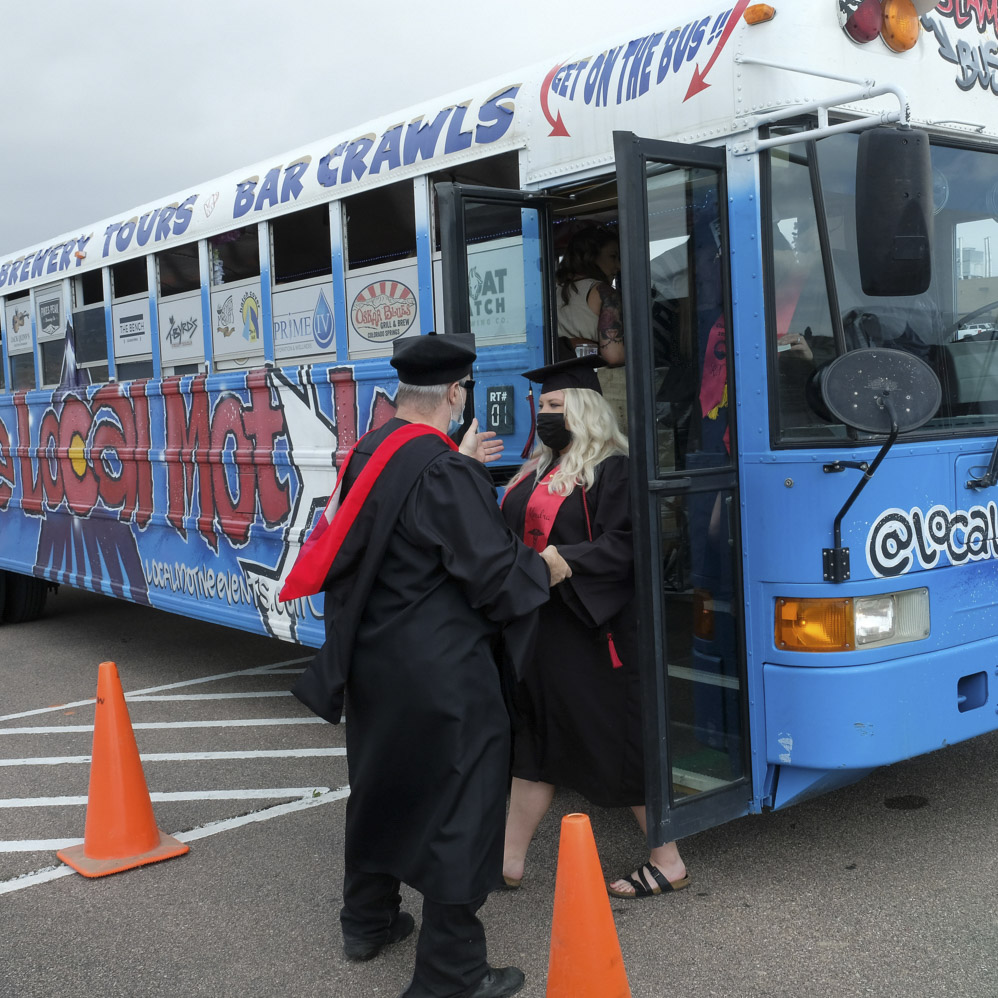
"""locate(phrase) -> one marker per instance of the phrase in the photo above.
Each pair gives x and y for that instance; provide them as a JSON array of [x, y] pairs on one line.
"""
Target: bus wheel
[[24, 599]]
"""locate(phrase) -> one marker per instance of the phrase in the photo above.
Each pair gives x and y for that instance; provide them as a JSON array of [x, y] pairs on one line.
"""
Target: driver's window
[[800, 326], [976, 287]]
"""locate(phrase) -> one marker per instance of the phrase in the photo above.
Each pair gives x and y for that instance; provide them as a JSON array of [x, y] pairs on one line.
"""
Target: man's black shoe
[[498, 983], [364, 949]]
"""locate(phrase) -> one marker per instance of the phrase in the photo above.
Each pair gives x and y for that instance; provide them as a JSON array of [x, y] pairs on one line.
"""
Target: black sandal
[[641, 889]]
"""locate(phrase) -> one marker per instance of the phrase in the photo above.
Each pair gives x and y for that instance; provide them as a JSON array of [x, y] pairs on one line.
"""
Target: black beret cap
[[432, 359], [579, 372]]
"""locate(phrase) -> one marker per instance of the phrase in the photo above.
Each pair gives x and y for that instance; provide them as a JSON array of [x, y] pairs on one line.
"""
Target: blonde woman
[[579, 705]]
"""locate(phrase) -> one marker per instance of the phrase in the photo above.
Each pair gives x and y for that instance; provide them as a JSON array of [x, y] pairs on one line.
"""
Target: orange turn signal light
[[703, 614], [758, 12], [814, 624], [901, 26]]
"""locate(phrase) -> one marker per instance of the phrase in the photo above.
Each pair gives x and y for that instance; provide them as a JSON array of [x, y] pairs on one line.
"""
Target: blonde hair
[[595, 437]]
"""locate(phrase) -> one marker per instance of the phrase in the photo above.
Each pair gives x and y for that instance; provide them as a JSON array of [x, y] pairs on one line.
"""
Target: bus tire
[[24, 599]]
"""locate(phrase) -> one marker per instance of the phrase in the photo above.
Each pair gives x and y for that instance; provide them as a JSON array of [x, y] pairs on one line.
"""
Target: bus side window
[[19, 346], [237, 330], [302, 287], [130, 320], [89, 326], [382, 281], [50, 332], [181, 336]]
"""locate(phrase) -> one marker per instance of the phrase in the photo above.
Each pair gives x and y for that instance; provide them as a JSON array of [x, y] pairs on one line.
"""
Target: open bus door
[[479, 225], [684, 483]]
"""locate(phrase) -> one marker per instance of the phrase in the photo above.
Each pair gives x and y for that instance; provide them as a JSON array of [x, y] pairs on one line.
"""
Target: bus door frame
[[670, 818]]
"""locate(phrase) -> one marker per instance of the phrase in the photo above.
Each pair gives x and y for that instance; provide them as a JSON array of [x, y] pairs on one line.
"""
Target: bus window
[[19, 346], [930, 325], [494, 171], [382, 276], [487, 321], [802, 325], [89, 327], [181, 337], [302, 293], [130, 320], [237, 335], [50, 331]]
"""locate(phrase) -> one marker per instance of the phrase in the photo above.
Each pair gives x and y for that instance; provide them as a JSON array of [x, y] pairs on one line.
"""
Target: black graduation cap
[[579, 372], [432, 359]]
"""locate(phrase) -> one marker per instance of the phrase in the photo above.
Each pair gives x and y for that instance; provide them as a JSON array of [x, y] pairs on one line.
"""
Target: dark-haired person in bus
[[589, 310], [578, 707], [420, 575]]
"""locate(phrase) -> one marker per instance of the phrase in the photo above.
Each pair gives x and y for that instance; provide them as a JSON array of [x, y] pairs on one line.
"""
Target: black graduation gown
[[579, 719], [428, 734]]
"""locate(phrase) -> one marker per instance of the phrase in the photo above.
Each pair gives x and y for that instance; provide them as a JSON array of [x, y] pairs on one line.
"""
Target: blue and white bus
[[179, 382]]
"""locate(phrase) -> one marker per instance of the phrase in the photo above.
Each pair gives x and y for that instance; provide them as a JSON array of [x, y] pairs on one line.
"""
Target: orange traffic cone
[[121, 831], [585, 959]]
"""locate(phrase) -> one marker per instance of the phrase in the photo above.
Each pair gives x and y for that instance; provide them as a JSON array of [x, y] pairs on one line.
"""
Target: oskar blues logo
[[383, 311]]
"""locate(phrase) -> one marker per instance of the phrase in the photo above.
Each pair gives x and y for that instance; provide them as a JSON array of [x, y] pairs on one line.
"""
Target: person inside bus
[[589, 308], [423, 552], [577, 708]]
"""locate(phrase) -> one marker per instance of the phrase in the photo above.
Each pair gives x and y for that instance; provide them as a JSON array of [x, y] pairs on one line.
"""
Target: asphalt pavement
[[885, 888]]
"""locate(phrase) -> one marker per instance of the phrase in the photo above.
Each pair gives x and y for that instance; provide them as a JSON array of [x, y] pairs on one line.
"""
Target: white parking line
[[137, 698], [305, 797], [241, 722], [175, 795], [203, 831], [256, 670], [72, 760]]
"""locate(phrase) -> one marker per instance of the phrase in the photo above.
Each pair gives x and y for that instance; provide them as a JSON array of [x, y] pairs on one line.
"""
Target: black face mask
[[551, 429]]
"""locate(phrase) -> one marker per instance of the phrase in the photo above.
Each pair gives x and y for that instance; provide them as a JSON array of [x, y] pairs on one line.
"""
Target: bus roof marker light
[[861, 20], [901, 26], [759, 13]]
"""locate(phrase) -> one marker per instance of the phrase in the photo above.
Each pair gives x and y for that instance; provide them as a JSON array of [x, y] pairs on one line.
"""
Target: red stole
[[542, 508], [320, 549]]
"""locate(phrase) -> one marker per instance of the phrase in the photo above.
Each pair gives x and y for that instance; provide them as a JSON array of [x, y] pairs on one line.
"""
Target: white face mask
[[456, 420], [457, 416]]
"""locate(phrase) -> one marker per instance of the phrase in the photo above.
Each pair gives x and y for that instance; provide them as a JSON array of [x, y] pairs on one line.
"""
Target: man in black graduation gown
[[424, 579]]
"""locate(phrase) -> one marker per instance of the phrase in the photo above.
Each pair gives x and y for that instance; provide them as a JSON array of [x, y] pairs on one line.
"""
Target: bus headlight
[[892, 619], [816, 625]]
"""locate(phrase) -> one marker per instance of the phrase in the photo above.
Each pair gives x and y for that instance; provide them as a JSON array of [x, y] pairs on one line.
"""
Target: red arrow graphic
[[557, 125], [698, 82]]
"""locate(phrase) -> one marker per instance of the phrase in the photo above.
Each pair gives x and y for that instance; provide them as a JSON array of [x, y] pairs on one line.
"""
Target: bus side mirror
[[894, 211]]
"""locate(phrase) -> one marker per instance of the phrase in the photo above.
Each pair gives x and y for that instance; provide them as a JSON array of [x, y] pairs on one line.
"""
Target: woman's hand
[[557, 566]]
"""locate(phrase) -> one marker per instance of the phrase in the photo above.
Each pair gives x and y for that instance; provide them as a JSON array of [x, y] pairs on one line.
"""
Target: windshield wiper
[[990, 477]]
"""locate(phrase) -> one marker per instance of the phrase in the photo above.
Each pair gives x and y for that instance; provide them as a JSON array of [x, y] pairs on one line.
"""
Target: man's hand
[[557, 566], [484, 447]]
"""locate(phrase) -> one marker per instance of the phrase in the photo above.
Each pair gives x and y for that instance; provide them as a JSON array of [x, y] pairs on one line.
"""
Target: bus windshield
[[953, 326]]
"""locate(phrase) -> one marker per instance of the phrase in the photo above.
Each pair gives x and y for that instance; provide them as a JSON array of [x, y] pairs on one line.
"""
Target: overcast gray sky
[[108, 104]]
